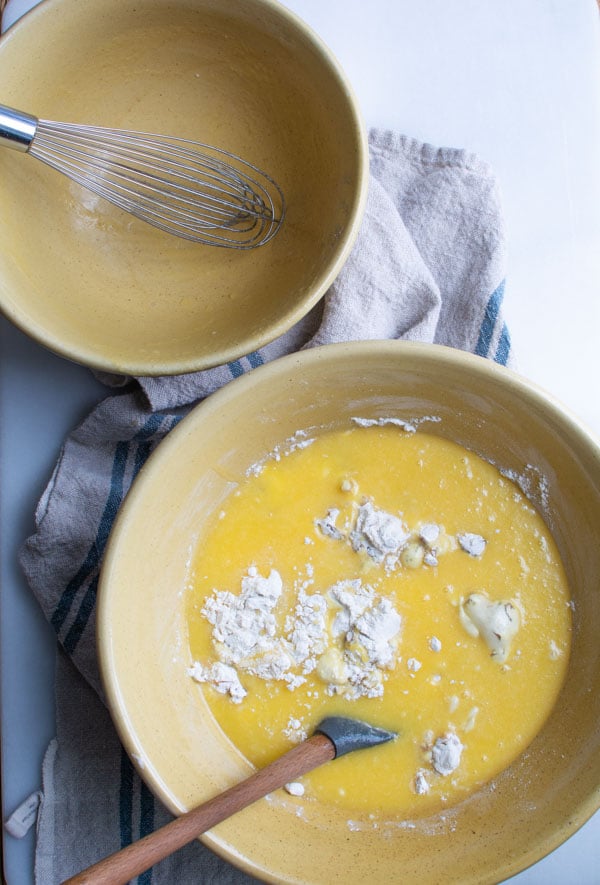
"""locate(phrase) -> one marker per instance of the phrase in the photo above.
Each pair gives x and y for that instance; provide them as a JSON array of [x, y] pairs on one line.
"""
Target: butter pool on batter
[[471, 547]]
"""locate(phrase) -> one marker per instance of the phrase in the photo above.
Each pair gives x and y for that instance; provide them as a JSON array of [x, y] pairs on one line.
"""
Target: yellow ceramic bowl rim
[[558, 415], [299, 309]]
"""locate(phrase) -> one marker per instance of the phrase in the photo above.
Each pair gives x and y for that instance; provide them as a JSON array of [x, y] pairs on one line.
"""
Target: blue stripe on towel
[[146, 826], [126, 801], [92, 559], [66, 600], [490, 317], [75, 631], [503, 348], [236, 368], [142, 454], [127, 791], [113, 502], [255, 359], [88, 602], [94, 554], [173, 422], [150, 428]]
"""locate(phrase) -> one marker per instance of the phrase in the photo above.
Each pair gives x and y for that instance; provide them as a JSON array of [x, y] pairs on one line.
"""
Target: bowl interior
[[110, 291], [529, 809]]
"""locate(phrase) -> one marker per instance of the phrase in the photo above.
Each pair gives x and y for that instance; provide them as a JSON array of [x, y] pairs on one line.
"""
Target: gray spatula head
[[347, 735]]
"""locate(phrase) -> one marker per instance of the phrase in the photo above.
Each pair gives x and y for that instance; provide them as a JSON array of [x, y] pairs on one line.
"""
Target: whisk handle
[[16, 129]]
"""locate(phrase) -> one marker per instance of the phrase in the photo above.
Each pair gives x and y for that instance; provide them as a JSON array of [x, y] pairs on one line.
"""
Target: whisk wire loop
[[187, 188], [216, 176], [214, 209]]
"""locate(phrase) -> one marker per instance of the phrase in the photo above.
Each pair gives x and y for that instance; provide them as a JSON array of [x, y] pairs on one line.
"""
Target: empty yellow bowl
[[167, 727], [106, 290]]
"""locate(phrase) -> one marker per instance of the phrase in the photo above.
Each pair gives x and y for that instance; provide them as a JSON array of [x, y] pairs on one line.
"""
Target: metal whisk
[[183, 187]]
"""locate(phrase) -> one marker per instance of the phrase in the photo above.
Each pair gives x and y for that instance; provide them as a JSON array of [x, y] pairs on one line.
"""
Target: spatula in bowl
[[334, 736]]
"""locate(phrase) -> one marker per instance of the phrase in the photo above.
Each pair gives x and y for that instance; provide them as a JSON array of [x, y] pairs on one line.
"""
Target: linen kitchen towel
[[428, 265]]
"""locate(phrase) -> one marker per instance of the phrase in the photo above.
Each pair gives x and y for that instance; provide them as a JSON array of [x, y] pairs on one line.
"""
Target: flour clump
[[446, 754], [366, 630], [471, 543], [377, 532], [348, 635], [244, 626], [222, 677]]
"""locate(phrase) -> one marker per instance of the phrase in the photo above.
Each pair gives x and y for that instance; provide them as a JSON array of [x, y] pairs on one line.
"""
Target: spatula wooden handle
[[119, 868]]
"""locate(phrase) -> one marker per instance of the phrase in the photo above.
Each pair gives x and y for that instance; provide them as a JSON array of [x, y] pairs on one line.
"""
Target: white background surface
[[518, 82]]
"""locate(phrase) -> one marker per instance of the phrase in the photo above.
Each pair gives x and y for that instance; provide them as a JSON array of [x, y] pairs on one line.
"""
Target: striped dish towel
[[428, 265]]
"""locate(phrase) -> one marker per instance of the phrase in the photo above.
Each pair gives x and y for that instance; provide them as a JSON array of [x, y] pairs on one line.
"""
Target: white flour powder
[[348, 635]]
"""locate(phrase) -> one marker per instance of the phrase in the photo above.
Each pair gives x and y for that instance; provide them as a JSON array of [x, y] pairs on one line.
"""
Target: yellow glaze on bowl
[[530, 808], [106, 290]]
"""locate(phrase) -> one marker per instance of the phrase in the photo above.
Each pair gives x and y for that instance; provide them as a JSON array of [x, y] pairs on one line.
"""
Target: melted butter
[[495, 710]]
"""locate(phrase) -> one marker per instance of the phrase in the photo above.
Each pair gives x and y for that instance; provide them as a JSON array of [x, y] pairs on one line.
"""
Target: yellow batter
[[463, 706]]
